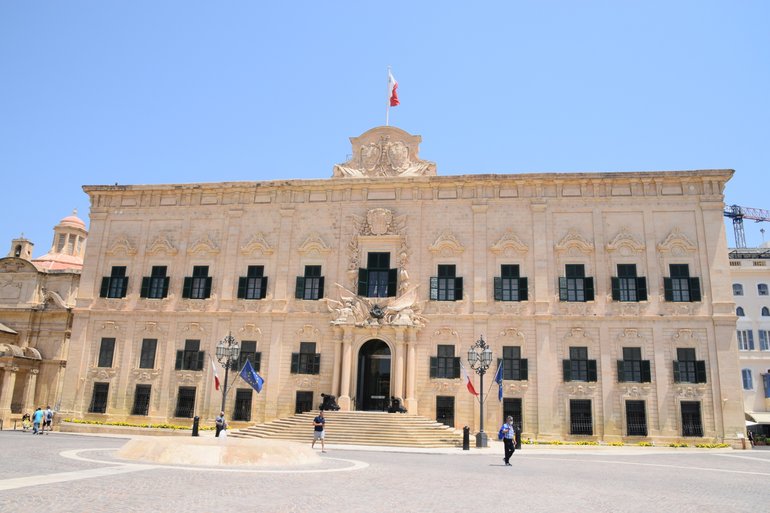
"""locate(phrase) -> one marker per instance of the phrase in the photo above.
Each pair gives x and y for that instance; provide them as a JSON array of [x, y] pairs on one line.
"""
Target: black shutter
[[563, 289], [263, 288], [201, 356], [125, 287], [523, 290], [621, 370], [392, 282], [165, 286], [294, 363], [676, 371], [591, 370], [646, 374], [523, 369], [179, 357], [316, 364], [105, 287], [363, 282], [433, 366], [700, 371], [567, 368], [456, 367], [695, 290], [458, 289], [299, 289], [187, 287], [615, 288], [589, 286], [207, 289], [668, 289], [242, 281], [498, 287], [641, 288], [434, 288], [320, 287], [145, 291]]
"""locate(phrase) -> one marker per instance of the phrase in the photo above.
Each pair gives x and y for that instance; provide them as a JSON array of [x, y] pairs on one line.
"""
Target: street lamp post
[[480, 358], [228, 351]]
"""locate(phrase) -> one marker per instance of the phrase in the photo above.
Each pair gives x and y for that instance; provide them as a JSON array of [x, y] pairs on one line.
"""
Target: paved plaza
[[75, 473]]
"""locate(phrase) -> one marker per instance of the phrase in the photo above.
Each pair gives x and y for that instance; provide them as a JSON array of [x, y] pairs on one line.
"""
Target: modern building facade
[[750, 269], [606, 296], [36, 300]]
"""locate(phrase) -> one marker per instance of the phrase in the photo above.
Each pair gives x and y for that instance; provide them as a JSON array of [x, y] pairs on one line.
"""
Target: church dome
[[73, 221]]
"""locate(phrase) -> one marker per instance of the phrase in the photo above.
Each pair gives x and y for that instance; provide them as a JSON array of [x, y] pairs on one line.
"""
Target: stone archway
[[374, 368]]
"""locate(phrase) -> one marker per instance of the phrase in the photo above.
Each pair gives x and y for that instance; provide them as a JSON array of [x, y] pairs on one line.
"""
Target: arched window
[[765, 311], [737, 289], [762, 289], [739, 312]]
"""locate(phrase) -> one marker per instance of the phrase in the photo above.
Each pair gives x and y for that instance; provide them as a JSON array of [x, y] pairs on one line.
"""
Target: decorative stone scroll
[[677, 244], [161, 245], [257, 244], [446, 245], [385, 151], [509, 244], [203, 245], [314, 244], [625, 243], [572, 242], [121, 245]]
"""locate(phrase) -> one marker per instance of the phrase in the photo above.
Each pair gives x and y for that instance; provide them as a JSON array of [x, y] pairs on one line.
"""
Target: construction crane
[[738, 214]]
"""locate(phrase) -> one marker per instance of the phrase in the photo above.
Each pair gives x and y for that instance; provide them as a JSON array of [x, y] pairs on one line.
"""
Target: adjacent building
[[606, 297]]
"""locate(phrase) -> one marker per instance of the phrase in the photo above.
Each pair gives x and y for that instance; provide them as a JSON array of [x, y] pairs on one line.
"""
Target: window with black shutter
[[575, 286], [147, 356], [310, 286], [116, 284], [627, 286], [155, 286], [106, 352], [99, 398], [687, 369], [191, 357], [680, 287], [509, 286], [254, 284], [249, 352], [632, 369], [578, 367], [445, 364], [446, 286], [307, 361], [197, 286], [514, 366], [378, 279]]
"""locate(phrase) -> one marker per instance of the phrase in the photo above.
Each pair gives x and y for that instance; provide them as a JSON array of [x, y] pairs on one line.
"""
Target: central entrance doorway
[[373, 389]]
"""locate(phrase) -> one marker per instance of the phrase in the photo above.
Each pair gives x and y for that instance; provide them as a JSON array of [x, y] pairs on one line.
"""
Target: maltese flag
[[392, 90], [468, 382], [216, 376]]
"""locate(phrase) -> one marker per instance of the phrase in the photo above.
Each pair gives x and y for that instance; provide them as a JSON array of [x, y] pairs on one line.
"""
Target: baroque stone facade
[[414, 267]]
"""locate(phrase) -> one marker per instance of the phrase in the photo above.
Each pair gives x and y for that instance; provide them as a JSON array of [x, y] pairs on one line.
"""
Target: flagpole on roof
[[387, 98]]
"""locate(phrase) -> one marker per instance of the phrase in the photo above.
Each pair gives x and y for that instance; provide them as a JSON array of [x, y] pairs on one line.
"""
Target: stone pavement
[[76, 473]]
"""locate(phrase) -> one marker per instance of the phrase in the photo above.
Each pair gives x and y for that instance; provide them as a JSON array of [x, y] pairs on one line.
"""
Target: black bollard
[[466, 438], [518, 438], [196, 422]]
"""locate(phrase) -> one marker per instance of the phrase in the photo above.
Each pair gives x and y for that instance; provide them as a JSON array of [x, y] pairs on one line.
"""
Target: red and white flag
[[216, 376], [468, 382], [392, 90]]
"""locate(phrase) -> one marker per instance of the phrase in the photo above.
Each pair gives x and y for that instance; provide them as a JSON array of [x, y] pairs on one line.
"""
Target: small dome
[[73, 221]]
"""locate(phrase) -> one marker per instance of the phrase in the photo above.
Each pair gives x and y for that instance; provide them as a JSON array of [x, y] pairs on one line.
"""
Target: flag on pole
[[252, 377], [499, 381], [467, 379], [392, 90], [216, 376]]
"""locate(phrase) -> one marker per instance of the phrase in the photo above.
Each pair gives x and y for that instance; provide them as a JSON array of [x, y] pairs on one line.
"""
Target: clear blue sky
[[139, 92]]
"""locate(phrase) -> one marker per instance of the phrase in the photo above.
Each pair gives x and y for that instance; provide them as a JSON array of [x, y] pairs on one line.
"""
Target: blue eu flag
[[252, 377], [499, 381]]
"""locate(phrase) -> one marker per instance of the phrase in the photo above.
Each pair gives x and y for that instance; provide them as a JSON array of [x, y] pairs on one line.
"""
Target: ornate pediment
[[385, 151], [202, 246], [573, 243], [378, 222], [509, 244], [446, 245], [161, 245], [677, 244], [121, 245], [314, 244], [257, 245], [625, 243]]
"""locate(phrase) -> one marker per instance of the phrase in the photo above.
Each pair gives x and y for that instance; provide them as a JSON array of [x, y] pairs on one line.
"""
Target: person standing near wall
[[509, 439]]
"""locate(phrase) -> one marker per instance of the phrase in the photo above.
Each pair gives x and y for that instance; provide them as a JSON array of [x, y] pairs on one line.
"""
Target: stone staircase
[[359, 428]]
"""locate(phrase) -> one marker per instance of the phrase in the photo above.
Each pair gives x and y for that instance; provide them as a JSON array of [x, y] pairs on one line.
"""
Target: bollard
[[466, 438], [196, 422], [518, 438]]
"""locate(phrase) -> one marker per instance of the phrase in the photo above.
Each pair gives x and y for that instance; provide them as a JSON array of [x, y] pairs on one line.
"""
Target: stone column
[[347, 359], [411, 401], [6, 393], [398, 379], [337, 363], [28, 402]]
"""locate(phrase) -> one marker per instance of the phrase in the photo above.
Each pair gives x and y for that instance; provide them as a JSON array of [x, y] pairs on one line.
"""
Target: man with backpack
[[508, 434]]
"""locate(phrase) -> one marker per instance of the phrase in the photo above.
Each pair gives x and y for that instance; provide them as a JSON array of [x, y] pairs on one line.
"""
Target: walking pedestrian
[[319, 426], [509, 439], [220, 423], [37, 420], [47, 418]]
